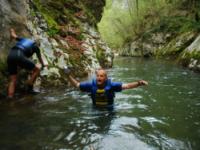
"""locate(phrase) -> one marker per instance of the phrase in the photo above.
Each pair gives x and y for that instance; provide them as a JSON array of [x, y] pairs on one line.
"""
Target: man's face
[[101, 77]]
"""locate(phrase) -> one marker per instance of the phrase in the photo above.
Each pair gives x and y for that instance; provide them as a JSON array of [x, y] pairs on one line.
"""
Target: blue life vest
[[25, 44], [109, 93]]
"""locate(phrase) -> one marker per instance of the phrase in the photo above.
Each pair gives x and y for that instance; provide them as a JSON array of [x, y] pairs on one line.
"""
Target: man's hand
[[13, 34], [142, 82], [67, 70], [72, 80]]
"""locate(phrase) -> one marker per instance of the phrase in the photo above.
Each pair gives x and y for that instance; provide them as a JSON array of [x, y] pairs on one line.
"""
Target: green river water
[[162, 116]]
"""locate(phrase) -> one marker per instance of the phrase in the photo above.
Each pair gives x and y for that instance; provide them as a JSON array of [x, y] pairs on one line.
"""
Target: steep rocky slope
[[67, 32]]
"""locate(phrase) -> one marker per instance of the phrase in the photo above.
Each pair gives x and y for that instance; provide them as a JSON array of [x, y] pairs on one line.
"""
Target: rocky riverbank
[[162, 29], [183, 48]]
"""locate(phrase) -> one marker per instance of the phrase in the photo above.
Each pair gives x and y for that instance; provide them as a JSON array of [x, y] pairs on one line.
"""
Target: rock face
[[167, 32], [66, 31], [11, 14], [184, 47], [191, 55]]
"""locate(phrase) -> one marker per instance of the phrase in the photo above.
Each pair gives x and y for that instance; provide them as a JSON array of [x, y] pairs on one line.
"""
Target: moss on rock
[[177, 45]]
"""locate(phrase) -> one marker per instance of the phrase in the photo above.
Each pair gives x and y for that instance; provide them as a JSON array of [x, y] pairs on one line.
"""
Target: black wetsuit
[[19, 54]]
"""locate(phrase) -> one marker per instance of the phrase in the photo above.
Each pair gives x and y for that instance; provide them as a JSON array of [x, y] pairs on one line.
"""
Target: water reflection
[[164, 115], [85, 131]]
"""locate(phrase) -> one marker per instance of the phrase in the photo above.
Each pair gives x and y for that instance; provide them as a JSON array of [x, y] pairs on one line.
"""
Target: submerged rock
[[191, 55]]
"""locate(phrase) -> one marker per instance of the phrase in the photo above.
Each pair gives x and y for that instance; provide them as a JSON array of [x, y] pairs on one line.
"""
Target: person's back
[[27, 46], [18, 57]]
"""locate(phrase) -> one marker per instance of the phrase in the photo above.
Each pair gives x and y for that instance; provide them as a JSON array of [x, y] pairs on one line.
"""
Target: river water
[[164, 115]]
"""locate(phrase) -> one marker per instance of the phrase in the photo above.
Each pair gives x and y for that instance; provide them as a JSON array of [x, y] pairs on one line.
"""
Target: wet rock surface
[[66, 31], [183, 47]]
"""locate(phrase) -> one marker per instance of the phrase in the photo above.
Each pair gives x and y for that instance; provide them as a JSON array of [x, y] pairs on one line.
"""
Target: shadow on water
[[164, 115]]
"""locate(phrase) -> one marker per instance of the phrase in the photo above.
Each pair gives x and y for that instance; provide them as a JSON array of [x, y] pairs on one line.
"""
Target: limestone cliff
[[66, 30]]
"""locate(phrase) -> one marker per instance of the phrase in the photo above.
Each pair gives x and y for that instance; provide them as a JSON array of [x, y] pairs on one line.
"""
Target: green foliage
[[185, 57], [32, 13], [125, 20], [195, 54], [191, 25], [178, 24], [3, 65], [100, 54], [62, 12], [52, 31], [49, 15], [3, 74], [50, 21]]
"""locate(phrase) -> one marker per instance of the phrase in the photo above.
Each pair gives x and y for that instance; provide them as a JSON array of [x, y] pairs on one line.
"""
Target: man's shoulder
[[86, 83], [85, 86], [116, 86], [115, 82]]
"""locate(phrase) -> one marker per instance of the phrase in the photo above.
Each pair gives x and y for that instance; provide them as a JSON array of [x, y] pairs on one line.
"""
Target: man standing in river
[[102, 89]]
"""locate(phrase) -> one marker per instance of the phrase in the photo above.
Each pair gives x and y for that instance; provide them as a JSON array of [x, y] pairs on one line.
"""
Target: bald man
[[102, 89]]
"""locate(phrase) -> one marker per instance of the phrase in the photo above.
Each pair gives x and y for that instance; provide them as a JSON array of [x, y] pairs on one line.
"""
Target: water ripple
[[153, 120]]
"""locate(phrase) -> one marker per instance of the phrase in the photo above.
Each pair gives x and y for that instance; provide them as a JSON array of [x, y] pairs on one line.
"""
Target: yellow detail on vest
[[100, 91], [101, 99], [101, 103]]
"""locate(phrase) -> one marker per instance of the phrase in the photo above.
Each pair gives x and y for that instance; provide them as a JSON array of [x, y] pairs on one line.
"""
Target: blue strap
[[25, 44]]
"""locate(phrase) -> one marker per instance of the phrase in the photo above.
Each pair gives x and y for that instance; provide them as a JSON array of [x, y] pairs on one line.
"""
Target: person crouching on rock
[[19, 57]]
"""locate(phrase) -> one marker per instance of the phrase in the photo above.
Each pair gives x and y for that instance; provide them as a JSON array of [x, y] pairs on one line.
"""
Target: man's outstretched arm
[[134, 84], [73, 81]]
